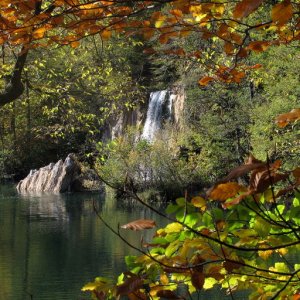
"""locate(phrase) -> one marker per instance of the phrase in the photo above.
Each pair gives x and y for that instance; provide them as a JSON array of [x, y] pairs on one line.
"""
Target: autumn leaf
[[198, 279], [282, 12], [215, 272], [262, 178], [245, 8], [199, 202], [205, 80], [106, 34], [284, 119], [39, 33], [224, 191], [258, 46], [231, 265], [130, 285], [140, 224], [167, 294], [251, 164], [75, 44], [236, 200]]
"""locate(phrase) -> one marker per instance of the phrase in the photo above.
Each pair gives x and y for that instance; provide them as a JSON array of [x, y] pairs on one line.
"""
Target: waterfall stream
[[159, 109]]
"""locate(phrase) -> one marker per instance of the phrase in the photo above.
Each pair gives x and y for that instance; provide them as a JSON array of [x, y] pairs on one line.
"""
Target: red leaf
[[168, 294], [230, 266], [130, 285], [198, 280], [139, 225]]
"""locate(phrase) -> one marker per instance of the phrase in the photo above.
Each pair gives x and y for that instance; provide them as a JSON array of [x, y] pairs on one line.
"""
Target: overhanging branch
[[15, 88]]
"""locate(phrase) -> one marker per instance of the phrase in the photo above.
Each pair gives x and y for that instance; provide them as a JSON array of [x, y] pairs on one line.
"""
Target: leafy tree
[[162, 165], [94, 87], [38, 23], [248, 246]]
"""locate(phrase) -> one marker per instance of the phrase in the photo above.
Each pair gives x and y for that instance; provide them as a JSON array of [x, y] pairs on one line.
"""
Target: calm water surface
[[51, 245]]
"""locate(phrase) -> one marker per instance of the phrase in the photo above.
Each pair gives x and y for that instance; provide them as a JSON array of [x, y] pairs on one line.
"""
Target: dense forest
[[71, 69]]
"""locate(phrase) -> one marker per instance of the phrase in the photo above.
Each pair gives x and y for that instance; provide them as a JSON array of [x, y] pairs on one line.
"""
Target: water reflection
[[50, 245]]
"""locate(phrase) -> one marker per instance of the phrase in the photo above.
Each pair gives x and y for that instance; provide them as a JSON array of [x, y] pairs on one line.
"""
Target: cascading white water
[[154, 114]]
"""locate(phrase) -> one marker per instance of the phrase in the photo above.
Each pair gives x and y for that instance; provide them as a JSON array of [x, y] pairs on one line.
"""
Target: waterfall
[[160, 101]]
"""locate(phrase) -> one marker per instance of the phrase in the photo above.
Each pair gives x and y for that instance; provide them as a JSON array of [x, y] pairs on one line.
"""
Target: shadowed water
[[51, 245]]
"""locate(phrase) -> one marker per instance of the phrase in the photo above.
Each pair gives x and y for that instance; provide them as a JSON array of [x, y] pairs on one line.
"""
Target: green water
[[51, 245]]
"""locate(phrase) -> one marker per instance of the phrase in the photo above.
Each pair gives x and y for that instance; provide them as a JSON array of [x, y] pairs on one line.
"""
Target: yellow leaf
[[160, 21], [265, 254], [173, 227], [164, 279], [199, 202], [282, 251]]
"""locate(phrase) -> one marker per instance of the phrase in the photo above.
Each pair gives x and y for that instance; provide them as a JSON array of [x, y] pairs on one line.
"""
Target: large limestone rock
[[54, 178]]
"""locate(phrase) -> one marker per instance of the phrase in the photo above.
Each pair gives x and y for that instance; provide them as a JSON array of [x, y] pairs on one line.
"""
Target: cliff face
[[178, 94]]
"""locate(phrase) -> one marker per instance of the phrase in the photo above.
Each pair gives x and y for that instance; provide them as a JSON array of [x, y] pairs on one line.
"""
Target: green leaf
[[172, 248], [281, 208], [209, 283], [172, 208], [262, 227], [181, 201]]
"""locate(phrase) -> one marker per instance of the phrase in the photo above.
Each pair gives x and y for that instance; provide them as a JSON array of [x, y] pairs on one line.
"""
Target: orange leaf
[[176, 13], [205, 80], [75, 44], [224, 191], [282, 12], [105, 34], [139, 225], [245, 8], [292, 116], [39, 33]]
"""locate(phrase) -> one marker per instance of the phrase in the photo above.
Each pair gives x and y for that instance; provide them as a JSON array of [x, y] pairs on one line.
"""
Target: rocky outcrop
[[178, 98], [116, 125], [57, 178]]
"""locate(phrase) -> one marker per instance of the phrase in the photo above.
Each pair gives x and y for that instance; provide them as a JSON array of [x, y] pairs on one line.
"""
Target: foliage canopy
[[237, 27]]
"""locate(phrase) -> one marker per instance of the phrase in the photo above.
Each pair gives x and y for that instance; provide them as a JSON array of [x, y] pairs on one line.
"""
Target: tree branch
[[14, 88]]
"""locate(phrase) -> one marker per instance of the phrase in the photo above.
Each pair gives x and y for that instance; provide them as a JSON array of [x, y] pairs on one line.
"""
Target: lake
[[51, 245]]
